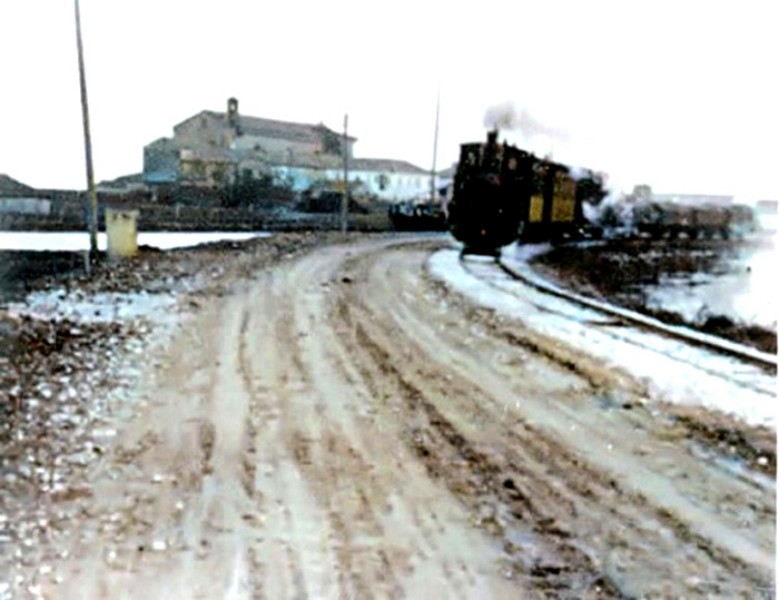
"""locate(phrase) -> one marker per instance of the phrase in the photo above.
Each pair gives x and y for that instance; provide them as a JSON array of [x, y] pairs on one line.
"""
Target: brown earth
[[335, 424]]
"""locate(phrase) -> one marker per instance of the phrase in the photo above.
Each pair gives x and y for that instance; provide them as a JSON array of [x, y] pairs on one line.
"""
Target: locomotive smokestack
[[492, 137]]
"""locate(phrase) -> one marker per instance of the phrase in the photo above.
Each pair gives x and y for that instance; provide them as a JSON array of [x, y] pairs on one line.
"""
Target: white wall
[[25, 206], [399, 186]]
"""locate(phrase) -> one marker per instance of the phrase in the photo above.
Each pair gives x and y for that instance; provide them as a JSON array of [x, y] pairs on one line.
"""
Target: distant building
[[386, 179], [10, 188], [210, 149], [127, 184], [694, 199], [24, 206], [20, 199]]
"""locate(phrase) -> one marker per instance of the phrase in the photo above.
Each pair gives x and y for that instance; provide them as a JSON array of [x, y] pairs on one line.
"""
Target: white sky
[[682, 95]]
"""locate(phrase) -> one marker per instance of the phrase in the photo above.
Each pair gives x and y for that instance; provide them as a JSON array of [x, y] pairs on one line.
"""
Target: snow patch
[[672, 370], [81, 307]]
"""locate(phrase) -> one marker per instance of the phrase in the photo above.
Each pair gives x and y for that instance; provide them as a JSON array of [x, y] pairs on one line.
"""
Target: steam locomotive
[[502, 194]]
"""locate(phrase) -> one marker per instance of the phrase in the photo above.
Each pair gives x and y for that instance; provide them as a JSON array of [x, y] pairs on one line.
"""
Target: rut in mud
[[341, 426]]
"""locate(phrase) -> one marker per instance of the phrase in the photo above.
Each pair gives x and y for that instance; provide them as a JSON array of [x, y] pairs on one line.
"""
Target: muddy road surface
[[341, 426]]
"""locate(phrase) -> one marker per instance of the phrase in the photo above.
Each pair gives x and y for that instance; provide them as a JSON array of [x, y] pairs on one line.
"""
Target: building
[[767, 207], [210, 149], [10, 188], [126, 184], [18, 198], [694, 199], [384, 179]]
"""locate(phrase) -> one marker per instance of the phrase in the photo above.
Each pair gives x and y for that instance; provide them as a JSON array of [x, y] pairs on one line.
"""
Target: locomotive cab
[[485, 210]]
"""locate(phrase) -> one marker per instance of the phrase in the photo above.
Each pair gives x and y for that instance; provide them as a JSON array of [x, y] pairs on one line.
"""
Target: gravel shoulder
[[335, 423]]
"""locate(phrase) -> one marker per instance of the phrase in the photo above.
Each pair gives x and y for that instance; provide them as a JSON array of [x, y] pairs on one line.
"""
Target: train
[[502, 194], [668, 220]]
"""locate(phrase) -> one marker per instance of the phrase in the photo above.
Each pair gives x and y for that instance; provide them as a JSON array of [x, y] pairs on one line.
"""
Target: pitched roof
[[11, 187], [385, 164], [124, 180], [287, 130], [448, 171]]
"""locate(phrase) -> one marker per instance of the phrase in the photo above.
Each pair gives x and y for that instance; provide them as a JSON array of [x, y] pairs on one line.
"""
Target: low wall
[[72, 217]]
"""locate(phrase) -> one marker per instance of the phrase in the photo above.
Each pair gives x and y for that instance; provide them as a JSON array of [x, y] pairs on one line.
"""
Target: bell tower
[[232, 111]]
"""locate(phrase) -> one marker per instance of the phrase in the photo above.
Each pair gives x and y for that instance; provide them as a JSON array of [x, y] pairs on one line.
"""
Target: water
[[741, 285], [74, 241]]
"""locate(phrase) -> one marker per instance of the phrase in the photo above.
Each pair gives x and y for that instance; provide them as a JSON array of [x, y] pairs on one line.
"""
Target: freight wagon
[[660, 220]]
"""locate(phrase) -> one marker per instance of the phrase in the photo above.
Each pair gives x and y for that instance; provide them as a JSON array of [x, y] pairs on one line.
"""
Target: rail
[[740, 351]]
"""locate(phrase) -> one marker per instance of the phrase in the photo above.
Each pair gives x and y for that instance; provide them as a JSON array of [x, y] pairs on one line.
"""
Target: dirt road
[[340, 426]]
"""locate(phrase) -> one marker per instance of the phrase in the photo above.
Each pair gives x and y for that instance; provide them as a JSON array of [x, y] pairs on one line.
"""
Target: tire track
[[345, 464], [577, 492]]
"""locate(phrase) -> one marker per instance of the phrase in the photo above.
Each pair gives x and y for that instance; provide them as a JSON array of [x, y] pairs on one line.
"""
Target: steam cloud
[[505, 116]]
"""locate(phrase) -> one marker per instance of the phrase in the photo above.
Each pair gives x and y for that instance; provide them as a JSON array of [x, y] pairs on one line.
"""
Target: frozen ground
[[743, 288], [99, 307], [337, 423], [672, 370]]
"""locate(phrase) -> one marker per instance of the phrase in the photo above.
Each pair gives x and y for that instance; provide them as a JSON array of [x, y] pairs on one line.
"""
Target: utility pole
[[345, 197], [435, 146], [87, 142]]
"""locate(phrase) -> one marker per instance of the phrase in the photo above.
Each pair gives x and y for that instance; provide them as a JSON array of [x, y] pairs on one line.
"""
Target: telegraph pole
[[92, 193], [435, 146], [345, 197]]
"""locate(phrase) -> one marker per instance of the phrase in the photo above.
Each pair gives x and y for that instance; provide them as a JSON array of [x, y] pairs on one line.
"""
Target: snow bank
[[672, 370]]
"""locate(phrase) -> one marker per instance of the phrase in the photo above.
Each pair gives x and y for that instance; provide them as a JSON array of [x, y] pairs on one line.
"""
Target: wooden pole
[[345, 197], [91, 191], [435, 147]]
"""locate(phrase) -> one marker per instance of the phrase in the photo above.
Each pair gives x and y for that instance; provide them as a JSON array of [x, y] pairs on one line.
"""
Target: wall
[[160, 162], [25, 206], [276, 149], [399, 186], [204, 129]]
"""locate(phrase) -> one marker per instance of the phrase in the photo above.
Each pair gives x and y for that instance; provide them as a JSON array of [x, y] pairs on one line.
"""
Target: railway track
[[599, 327], [522, 272]]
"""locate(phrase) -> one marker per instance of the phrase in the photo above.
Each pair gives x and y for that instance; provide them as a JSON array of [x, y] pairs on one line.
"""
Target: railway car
[[553, 212], [502, 194], [658, 220]]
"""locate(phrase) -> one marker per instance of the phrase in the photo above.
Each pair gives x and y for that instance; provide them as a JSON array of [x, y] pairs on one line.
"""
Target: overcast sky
[[681, 95]]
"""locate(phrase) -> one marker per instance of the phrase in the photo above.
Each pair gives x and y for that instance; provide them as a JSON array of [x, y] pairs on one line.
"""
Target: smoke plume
[[506, 117]]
